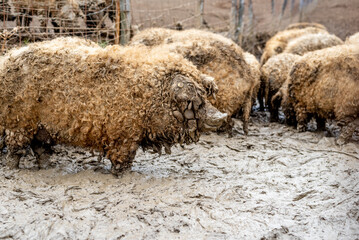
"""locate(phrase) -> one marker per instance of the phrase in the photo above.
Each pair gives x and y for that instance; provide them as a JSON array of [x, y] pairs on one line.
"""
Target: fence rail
[[114, 21]]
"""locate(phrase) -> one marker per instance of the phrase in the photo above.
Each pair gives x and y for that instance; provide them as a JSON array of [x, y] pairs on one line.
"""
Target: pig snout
[[214, 119]]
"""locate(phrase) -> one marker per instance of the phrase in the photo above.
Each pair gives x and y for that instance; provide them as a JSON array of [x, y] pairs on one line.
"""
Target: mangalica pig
[[112, 100]]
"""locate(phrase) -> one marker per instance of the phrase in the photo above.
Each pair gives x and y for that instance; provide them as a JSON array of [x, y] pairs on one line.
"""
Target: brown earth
[[341, 17]]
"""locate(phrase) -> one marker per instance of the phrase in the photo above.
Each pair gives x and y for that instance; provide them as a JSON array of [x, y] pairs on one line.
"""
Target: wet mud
[[273, 184]]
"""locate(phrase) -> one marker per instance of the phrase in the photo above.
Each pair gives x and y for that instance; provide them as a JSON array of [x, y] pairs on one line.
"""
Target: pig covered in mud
[[273, 76], [302, 25], [279, 41], [324, 84], [112, 100], [216, 56], [312, 42], [152, 36]]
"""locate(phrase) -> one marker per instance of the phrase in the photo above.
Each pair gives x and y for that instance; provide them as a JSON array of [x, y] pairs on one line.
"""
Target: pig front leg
[[247, 106], [12, 158], [348, 127], [16, 142], [261, 95], [302, 118], [274, 110], [320, 123], [41, 145], [121, 156]]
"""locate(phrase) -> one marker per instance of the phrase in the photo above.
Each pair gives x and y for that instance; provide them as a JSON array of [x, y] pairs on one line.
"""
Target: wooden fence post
[[200, 8], [118, 22], [284, 6], [251, 16], [233, 31], [125, 21], [301, 6], [236, 24], [272, 7], [240, 22], [292, 6]]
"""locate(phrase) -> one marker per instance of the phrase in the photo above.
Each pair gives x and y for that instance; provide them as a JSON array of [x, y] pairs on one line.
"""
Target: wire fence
[[115, 21]]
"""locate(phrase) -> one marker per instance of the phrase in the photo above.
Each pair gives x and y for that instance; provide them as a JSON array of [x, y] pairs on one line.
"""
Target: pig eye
[[279, 50]]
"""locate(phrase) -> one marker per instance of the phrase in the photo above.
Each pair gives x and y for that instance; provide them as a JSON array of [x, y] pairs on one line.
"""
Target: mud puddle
[[273, 184]]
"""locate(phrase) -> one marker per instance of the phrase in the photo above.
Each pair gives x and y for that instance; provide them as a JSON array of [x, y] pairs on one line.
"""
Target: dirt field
[[273, 184], [341, 17]]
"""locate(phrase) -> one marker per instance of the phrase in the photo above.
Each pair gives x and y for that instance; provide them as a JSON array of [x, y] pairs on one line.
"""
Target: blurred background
[[248, 22]]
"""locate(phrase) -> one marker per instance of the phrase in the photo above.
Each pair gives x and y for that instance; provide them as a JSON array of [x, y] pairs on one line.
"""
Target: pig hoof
[[12, 161], [340, 141], [301, 128], [116, 171], [120, 168], [245, 131], [2, 143], [43, 161]]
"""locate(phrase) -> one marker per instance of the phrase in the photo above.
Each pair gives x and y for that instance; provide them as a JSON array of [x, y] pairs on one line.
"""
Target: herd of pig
[[167, 87]]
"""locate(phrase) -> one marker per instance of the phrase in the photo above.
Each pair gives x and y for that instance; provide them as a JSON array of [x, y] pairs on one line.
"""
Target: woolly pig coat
[[218, 57], [274, 73], [312, 42], [325, 84], [279, 42], [112, 100]]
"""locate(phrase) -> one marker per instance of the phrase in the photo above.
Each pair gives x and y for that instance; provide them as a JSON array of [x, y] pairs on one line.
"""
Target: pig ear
[[209, 85], [205, 77]]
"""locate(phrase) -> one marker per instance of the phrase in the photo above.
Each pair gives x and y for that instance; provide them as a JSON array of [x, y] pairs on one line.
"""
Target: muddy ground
[[274, 184]]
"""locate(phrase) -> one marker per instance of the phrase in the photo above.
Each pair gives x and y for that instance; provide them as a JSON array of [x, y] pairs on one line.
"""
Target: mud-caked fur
[[152, 36], [255, 67], [325, 84], [273, 75], [279, 41], [312, 42], [220, 58], [112, 100]]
